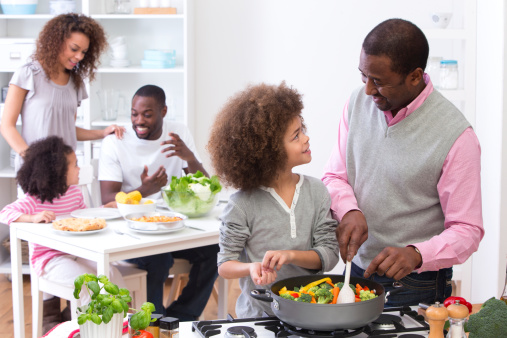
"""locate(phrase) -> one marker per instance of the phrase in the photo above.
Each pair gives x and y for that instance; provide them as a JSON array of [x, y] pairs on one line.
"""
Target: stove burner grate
[[383, 327]]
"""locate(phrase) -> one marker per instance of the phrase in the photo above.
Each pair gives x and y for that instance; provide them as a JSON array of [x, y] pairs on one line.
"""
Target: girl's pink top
[[70, 201]]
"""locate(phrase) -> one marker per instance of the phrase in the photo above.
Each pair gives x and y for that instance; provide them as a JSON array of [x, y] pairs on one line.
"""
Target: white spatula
[[346, 295]]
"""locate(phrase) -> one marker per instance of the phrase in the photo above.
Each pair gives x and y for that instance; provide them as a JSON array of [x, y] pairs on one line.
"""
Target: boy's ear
[[164, 111]]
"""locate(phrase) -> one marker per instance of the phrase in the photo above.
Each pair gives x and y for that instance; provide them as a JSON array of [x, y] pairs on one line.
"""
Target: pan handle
[[398, 288], [261, 294]]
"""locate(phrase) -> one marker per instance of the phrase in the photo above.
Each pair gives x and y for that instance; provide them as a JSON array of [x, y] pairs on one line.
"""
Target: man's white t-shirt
[[124, 160]]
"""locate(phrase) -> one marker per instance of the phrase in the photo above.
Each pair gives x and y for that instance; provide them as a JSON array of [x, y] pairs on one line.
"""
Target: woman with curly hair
[[278, 225], [47, 91], [48, 178]]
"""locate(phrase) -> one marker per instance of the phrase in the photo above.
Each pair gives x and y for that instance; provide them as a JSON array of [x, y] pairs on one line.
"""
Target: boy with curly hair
[[278, 225]]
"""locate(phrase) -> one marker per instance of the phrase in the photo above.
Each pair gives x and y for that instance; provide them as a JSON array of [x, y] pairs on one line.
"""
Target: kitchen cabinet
[[140, 32]]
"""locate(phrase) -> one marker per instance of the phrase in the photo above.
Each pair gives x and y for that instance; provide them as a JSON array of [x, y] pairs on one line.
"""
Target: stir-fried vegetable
[[324, 291]]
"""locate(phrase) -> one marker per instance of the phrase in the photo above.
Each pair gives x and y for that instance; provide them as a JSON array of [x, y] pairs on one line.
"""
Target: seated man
[[143, 160]]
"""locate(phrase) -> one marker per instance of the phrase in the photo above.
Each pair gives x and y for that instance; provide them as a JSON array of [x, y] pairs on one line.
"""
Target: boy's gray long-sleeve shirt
[[256, 221]]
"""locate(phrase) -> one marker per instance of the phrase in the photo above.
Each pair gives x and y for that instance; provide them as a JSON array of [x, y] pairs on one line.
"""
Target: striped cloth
[[70, 201]]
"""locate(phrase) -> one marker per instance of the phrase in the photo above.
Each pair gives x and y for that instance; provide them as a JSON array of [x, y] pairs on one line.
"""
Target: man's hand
[[351, 233], [152, 184], [261, 275], [43, 217], [177, 148], [394, 262]]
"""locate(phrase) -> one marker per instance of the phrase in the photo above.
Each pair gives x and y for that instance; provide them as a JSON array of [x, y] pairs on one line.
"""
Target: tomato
[[141, 334]]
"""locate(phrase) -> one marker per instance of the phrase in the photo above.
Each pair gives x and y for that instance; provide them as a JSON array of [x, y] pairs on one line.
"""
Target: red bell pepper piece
[[295, 295], [453, 299]]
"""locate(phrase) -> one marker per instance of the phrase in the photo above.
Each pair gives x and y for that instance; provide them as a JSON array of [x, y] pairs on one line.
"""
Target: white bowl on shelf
[[441, 19]]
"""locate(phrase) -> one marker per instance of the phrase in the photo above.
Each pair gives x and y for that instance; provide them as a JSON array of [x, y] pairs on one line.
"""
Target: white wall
[[314, 46], [489, 262]]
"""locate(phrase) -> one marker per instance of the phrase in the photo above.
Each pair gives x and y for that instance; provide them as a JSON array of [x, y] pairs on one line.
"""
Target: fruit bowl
[[191, 204], [125, 209]]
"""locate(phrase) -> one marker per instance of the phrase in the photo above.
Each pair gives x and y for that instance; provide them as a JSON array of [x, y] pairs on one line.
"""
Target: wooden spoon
[[346, 295]]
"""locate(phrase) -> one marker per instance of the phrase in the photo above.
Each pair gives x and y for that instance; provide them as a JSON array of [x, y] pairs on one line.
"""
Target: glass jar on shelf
[[448, 74], [433, 70]]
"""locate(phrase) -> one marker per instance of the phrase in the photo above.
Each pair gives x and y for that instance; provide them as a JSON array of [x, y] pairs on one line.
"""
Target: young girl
[[278, 225], [48, 177], [47, 91]]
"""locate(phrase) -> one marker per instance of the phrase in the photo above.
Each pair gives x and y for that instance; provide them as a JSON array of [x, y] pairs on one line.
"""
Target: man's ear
[[164, 111], [416, 76]]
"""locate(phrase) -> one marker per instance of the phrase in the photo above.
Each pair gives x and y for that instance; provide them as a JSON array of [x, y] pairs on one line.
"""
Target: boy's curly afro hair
[[246, 143], [44, 170], [53, 35]]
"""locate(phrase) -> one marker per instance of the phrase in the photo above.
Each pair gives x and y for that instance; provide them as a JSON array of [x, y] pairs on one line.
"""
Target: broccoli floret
[[313, 289], [340, 285], [366, 295], [304, 298], [490, 321], [326, 286], [323, 296], [287, 296]]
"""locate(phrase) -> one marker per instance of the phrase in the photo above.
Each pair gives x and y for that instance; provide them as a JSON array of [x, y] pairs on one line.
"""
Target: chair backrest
[[95, 186], [85, 181]]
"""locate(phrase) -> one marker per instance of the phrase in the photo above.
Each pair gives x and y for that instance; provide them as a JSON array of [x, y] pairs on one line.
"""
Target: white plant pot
[[113, 329]]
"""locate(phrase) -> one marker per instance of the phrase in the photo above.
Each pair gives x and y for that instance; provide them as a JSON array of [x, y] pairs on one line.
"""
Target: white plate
[[105, 213], [89, 232], [160, 231]]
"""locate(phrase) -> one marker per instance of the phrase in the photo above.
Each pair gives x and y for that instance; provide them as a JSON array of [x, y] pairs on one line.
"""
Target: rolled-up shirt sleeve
[[459, 189], [234, 233], [335, 177], [324, 238]]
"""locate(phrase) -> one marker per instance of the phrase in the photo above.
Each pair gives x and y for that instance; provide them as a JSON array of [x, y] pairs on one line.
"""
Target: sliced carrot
[[358, 299], [313, 300], [330, 283], [336, 291]]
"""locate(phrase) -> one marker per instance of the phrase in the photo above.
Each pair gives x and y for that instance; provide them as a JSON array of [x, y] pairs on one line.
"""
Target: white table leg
[[223, 292], [103, 266], [18, 310]]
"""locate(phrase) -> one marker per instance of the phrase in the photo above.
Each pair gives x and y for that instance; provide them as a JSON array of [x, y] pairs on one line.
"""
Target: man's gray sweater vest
[[394, 171]]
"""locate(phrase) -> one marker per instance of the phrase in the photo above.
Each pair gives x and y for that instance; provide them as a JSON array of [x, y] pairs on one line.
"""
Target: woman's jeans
[[426, 287]]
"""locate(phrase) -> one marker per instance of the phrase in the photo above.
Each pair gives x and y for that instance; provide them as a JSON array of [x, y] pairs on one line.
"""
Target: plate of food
[[156, 222], [79, 226], [105, 213]]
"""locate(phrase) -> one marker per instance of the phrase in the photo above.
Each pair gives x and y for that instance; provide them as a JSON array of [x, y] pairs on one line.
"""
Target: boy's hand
[[43, 217], [275, 259], [260, 275]]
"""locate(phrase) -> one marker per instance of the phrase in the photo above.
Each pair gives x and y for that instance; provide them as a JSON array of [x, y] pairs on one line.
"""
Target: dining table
[[108, 246]]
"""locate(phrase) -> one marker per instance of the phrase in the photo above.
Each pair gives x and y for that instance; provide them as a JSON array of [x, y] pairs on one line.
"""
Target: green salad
[[193, 195]]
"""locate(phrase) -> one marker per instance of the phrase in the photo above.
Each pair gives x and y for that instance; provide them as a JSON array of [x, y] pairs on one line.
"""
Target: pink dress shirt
[[459, 189]]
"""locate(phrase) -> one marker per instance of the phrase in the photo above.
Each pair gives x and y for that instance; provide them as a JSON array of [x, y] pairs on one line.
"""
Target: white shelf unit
[[171, 31], [461, 43]]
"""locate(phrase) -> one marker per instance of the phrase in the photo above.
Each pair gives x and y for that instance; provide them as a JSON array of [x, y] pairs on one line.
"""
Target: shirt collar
[[412, 106]]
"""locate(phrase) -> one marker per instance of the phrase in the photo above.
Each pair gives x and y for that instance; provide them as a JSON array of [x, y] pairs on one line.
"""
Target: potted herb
[[103, 316]]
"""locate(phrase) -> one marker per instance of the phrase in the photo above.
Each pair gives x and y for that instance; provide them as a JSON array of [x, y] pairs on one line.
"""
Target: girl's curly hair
[[246, 143], [44, 171], [53, 35]]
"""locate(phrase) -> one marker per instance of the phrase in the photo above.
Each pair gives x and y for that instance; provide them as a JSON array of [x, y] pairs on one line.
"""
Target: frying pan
[[323, 317]]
